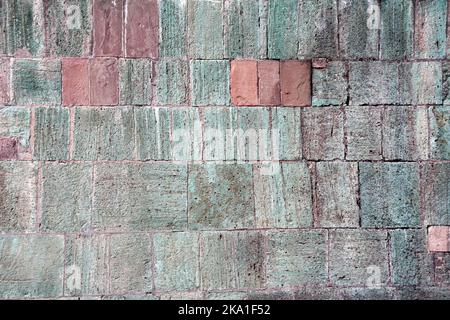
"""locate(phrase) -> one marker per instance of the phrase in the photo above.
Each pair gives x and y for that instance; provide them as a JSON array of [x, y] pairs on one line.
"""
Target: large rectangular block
[[435, 196], [173, 19], [405, 133], [364, 136], [107, 27], [420, 83], [430, 29], [220, 196], [295, 83], [66, 197], [232, 260], [15, 123], [283, 197], [440, 132], [172, 82], [244, 82], [286, 133], [148, 196], [36, 82], [323, 133], [210, 80], [269, 82], [68, 27], [135, 85], [329, 85], [51, 134], [5, 81], [17, 196], [104, 81], [296, 258], [336, 194], [282, 29], [205, 29], [176, 261], [389, 195], [32, 266], [358, 257], [104, 134], [75, 82], [186, 134]]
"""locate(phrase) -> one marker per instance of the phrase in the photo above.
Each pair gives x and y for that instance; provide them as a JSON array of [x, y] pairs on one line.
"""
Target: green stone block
[[317, 293], [173, 23], [423, 293], [15, 122], [210, 82], [187, 134], [104, 134], [282, 29], [245, 29], [176, 261], [317, 30], [435, 196], [51, 134], [22, 28], [358, 257], [205, 29], [135, 81], [220, 196], [329, 85], [389, 195], [68, 27], [440, 132], [358, 29], [36, 82], [232, 260], [286, 134], [368, 293], [148, 196], [172, 82], [296, 258], [32, 266], [430, 30], [17, 197], [283, 196], [66, 209], [397, 29], [420, 83], [270, 295]]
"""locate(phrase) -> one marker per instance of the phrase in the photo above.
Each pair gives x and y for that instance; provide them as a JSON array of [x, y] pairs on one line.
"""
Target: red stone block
[[104, 81], [295, 79], [244, 83], [75, 82], [269, 82], [4, 81], [108, 27], [142, 29], [439, 238], [8, 148]]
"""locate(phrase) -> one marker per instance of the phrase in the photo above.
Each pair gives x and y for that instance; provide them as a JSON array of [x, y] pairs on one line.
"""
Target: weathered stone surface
[[358, 29], [336, 192], [147, 196], [15, 123], [5, 81], [283, 198], [405, 133], [439, 239], [317, 293], [51, 134], [107, 27], [36, 82], [187, 134], [420, 83], [295, 81], [176, 261], [205, 29], [244, 82], [173, 19], [270, 295], [323, 133], [286, 133], [329, 85], [363, 127], [210, 82], [383, 293], [75, 82], [269, 82], [66, 209], [282, 29], [8, 148], [440, 132], [68, 27], [446, 80], [135, 81], [317, 30], [442, 268], [296, 258], [389, 195], [430, 29], [104, 134], [104, 81], [172, 82], [435, 193], [232, 260], [424, 293], [17, 197], [32, 266], [220, 196], [358, 257]]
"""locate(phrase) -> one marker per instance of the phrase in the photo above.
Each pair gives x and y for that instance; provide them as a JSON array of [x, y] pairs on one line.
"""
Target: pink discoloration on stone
[[295, 79], [320, 63], [244, 82], [75, 81], [108, 27], [8, 148], [142, 29], [4, 80], [438, 239], [269, 82], [104, 81]]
